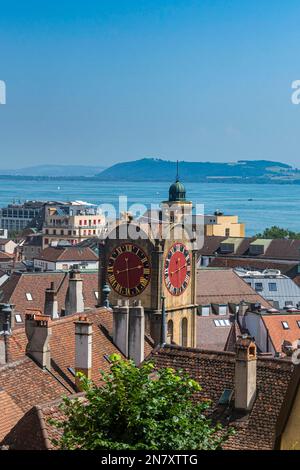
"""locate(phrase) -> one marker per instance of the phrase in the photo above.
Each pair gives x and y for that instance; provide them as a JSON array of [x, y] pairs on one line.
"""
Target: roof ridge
[[44, 431], [16, 363]]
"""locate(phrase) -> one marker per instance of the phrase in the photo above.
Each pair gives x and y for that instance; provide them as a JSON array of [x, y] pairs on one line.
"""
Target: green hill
[[151, 169]]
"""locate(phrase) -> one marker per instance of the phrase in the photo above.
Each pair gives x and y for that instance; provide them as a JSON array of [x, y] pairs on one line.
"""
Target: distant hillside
[[55, 170], [151, 169]]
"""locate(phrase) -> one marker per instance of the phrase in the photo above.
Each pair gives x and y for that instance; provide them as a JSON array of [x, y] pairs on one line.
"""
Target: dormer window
[[205, 310], [256, 249], [222, 309], [272, 286]]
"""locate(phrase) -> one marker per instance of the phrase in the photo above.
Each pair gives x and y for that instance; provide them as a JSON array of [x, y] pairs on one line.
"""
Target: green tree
[[138, 408], [278, 232]]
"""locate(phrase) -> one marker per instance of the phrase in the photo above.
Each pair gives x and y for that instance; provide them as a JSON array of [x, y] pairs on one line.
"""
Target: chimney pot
[[74, 298], [83, 348], [51, 304], [38, 334], [245, 373]]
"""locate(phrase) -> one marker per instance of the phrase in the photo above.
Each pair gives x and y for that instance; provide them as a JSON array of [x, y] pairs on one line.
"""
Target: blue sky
[[98, 82]]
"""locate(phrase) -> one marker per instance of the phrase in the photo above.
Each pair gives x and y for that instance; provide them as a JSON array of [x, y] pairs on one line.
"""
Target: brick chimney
[[38, 333], [136, 335], [245, 373], [74, 298], [121, 326], [51, 304], [83, 348]]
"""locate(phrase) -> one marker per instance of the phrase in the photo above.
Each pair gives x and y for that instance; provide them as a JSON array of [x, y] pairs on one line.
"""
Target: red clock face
[[177, 270], [128, 270]]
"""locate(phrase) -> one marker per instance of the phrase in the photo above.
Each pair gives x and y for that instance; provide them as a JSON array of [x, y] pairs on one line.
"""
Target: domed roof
[[177, 191]]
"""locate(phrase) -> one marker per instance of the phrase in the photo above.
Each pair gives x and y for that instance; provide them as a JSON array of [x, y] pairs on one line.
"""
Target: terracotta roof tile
[[276, 331], [215, 372], [27, 384], [14, 290], [10, 413], [67, 254], [224, 286]]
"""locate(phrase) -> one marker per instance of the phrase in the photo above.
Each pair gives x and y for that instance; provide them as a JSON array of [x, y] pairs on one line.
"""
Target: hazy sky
[[97, 82]]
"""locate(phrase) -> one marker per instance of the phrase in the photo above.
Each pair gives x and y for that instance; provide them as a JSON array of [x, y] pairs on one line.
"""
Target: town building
[[275, 331], [219, 295], [252, 253], [257, 396], [31, 246], [159, 271], [64, 258], [27, 292], [72, 222], [221, 225], [7, 246], [3, 233], [17, 216], [276, 288]]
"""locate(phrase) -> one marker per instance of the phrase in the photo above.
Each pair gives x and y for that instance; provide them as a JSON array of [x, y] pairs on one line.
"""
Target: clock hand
[[129, 269], [179, 269], [126, 260]]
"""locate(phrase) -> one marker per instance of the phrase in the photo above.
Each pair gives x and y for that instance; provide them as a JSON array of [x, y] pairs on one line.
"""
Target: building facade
[[72, 222], [158, 272], [223, 225], [17, 216]]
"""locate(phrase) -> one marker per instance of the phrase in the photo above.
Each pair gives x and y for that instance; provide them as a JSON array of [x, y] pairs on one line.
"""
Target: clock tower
[[139, 266]]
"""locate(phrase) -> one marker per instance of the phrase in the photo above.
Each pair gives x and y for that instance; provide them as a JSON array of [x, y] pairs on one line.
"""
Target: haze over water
[[271, 204]]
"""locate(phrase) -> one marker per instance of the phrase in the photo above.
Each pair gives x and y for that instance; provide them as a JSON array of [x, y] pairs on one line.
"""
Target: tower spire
[[177, 171]]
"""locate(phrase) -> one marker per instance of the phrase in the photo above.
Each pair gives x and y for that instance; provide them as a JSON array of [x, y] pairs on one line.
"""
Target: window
[[298, 323], [288, 303], [272, 286], [222, 309], [28, 296], [18, 318], [227, 232], [285, 325], [222, 322], [96, 294], [258, 286], [170, 331], [205, 310], [184, 332]]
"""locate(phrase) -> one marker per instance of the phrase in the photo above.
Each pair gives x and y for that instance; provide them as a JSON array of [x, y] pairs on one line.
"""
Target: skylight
[[285, 325], [28, 296]]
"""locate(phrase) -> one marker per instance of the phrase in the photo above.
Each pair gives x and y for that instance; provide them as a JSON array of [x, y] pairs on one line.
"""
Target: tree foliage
[[278, 232], [138, 408]]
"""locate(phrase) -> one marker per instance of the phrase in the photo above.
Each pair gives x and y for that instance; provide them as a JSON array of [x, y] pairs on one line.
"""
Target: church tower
[[177, 206], [159, 271]]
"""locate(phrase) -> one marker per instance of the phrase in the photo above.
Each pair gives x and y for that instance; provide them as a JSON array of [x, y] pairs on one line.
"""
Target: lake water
[[270, 205]]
